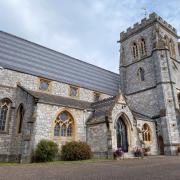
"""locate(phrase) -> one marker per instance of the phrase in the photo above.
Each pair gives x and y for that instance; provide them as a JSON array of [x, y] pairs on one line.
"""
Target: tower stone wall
[[156, 95]]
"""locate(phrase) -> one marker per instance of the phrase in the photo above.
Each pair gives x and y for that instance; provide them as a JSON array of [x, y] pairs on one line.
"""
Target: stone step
[[128, 155]]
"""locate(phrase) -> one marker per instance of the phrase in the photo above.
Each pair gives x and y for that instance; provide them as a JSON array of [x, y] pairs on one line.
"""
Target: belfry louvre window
[[135, 50], [143, 47], [146, 133], [64, 125], [44, 85], [74, 91], [4, 109]]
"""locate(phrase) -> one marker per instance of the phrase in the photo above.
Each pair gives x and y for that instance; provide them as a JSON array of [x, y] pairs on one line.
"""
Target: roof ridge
[[103, 101]]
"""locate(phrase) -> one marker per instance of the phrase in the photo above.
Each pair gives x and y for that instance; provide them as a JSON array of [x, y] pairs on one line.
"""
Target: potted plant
[[178, 151]]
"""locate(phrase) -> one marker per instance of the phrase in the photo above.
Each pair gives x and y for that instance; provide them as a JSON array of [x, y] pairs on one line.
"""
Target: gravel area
[[151, 168]]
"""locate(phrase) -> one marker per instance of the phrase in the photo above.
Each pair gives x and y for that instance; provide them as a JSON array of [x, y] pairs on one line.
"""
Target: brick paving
[[153, 168]]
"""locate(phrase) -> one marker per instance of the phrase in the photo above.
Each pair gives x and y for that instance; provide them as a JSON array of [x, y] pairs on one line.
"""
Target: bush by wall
[[46, 150], [73, 151]]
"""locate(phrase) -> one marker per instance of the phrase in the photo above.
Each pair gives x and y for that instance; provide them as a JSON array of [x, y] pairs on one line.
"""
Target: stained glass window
[[69, 130], [64, 125], [56, 130], [63, 130]]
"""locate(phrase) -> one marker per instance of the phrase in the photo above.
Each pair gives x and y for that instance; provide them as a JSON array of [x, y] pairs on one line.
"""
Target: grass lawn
[[54, 162]]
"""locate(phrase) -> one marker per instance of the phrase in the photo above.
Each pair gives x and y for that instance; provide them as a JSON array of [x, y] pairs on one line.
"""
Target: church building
[[45, 94]]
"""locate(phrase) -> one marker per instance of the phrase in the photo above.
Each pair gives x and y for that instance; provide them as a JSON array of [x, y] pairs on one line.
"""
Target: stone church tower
[[150, 77]]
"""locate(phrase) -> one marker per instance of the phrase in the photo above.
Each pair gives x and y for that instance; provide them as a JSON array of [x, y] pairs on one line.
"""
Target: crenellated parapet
[[144, 23]]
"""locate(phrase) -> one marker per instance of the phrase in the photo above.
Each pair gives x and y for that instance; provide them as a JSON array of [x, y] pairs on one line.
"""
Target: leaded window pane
[[3, 115], [69, 130], [63, 130], [57, 130]]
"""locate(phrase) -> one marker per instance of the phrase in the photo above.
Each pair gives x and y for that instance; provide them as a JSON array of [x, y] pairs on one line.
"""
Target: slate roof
[[100, 110], [59, 100], [27, 57], [138, 115]]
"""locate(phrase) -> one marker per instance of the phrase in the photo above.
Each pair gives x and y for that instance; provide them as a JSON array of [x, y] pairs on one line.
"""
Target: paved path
[[160, 168]]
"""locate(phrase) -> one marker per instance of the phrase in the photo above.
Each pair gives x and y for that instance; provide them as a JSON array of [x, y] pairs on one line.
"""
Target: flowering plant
[[118, 153]]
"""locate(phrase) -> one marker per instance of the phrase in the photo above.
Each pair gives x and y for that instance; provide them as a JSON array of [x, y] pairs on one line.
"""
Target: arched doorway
[[161, 145], [122, 136]]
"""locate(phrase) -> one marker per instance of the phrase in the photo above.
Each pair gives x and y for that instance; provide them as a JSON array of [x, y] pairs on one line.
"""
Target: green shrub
[[73, 151], [46, 150]]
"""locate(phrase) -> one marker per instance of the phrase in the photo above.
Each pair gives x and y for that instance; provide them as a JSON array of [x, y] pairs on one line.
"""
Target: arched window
[[135, 51], [19, 117], [143, 47], [146, 133], [170, 44], [166, 40], [172, 49], [141, 74], [4, 109], [64, 125]]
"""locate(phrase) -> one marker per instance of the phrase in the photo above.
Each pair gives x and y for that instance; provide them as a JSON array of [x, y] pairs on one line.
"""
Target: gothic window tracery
[[64, 125], [146, 133]]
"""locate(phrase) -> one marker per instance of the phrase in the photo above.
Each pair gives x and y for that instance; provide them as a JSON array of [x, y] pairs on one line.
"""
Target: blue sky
[[85, 29]]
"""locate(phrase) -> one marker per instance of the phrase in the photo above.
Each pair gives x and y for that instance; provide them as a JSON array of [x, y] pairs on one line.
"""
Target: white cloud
[[87, 30]]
